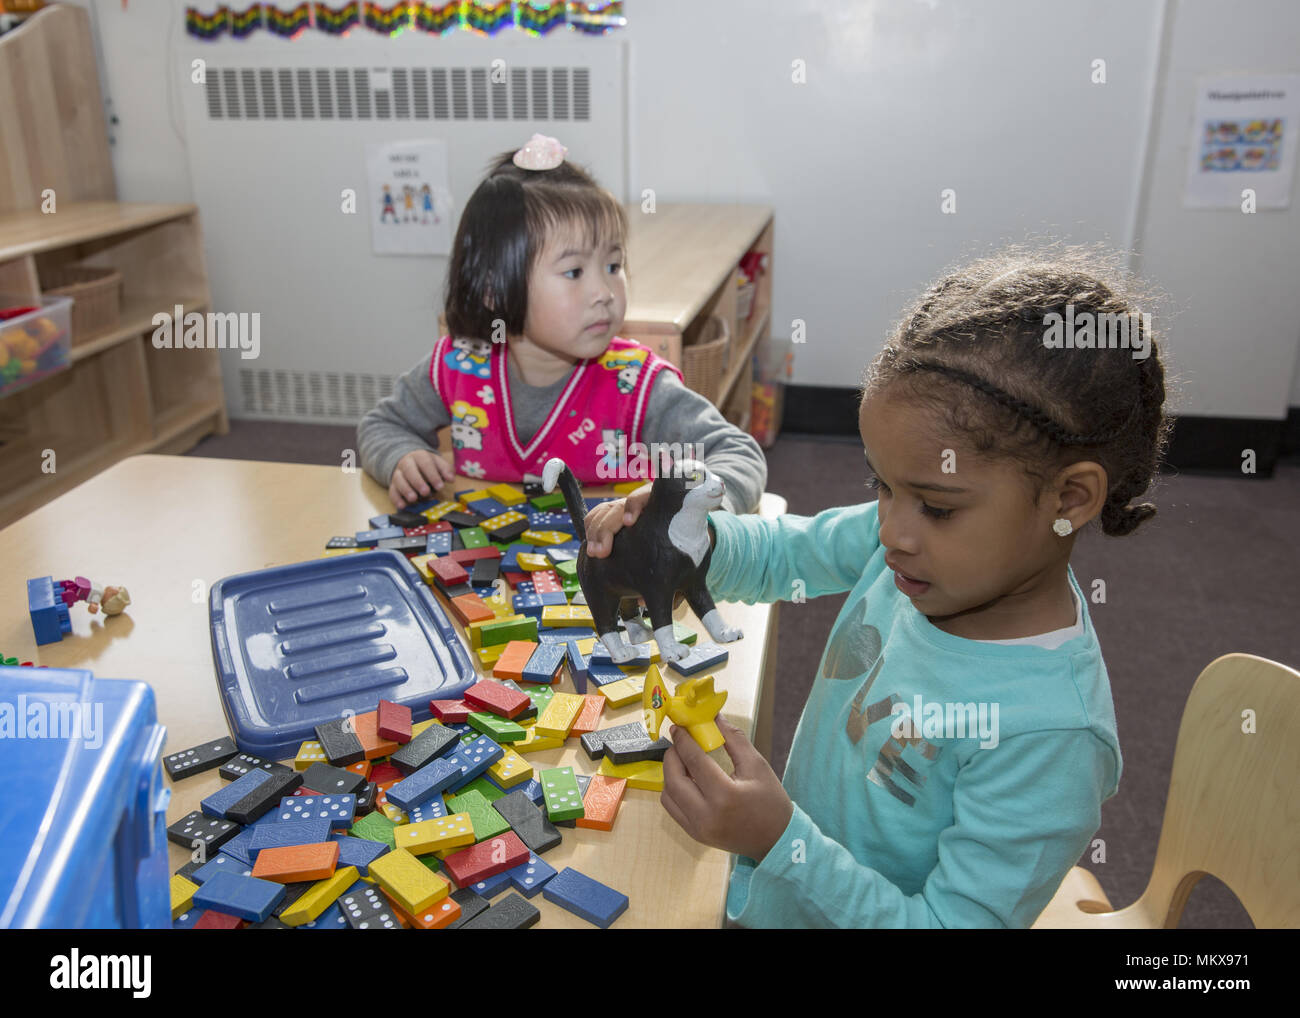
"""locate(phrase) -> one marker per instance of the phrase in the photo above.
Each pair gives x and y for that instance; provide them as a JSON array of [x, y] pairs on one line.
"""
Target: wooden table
[[168, 527]]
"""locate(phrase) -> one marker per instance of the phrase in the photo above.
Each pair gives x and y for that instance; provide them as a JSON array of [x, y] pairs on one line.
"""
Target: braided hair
[[978, 336]]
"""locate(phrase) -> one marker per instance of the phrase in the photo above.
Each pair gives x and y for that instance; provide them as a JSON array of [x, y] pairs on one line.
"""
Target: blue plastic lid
[[298, 645]]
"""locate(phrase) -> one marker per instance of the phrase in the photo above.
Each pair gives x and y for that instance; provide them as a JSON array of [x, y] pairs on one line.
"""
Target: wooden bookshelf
[[120, 395]]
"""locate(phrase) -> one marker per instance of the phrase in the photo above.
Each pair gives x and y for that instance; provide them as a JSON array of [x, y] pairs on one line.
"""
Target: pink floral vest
[[604, 402]]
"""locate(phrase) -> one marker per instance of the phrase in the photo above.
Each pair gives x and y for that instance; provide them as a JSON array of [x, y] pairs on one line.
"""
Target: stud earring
[[1063, 527]]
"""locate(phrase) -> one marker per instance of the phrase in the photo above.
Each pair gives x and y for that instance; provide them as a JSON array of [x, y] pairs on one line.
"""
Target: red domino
[[393, 722], [514, 579], [385, 772], [439, 527], [486, 859], [213, 920], [500, 700], [547, 581], [450, 572], [454, 711], [463, 555]]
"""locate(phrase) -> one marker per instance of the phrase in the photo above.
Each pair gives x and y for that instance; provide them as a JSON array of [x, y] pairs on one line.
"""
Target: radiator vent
[[310, 395], [398, 93]]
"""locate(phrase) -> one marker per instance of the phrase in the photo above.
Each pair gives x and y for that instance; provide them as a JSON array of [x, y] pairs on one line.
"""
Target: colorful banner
[[483, 17]]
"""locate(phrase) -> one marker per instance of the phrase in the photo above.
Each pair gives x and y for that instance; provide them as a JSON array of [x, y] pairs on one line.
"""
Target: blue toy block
[[566, 552], [239, 844], [186, 920], [525, 587], [533, 789], [331, 918], [544, 662], [528, 878], [284, 833], [492, 886], [247, 897], [430, 810], [50, 617], [420, 507], [510, 559], [542, 519], [223, 863], [703, 655], [600, 655], [378, 522], [585, 897], [459, 727], [371, 538], [339, 810], [564, 635], [425, 783], [473, 758], [437, 544], [577, 666], [528, 604], [358, 852], [599, 674], [488, 507], [216, 804]]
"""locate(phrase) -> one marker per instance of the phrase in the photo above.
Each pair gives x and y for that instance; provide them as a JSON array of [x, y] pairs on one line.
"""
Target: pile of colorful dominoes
[[376, 814]]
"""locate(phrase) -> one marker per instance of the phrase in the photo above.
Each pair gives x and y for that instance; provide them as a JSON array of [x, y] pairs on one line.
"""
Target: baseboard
[[1203, 444]]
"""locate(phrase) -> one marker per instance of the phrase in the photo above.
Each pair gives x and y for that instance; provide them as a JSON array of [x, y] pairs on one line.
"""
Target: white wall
[[904, 98]]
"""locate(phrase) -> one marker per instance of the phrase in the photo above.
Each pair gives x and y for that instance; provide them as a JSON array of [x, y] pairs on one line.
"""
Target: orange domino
[[367, 728], [361, 767], [601, 802], [470, 608], [293, 863], [441, 913], [510, 665], [588, 719]]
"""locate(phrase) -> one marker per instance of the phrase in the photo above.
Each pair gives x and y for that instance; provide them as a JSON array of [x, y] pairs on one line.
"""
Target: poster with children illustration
[[1244, 139], [410, 203]]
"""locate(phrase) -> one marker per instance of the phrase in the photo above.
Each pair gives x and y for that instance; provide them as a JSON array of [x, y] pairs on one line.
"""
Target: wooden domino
[[409, 881], [560, 713], [624, 691], [470, 608], [511, 769], [514, 659], [561, 794], [487, 695], [486, 859], [436, 834], [393, 722], [321, 895], [601, 802], [293, 863], [647, 774], [588, 719], [308, 754]]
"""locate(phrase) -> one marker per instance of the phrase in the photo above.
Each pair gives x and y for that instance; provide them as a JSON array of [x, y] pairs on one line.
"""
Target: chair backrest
[[1234, 795]]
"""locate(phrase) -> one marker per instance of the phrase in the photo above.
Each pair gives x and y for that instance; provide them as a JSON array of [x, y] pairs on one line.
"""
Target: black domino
[[433, 742], [339, 742], [199, 758]]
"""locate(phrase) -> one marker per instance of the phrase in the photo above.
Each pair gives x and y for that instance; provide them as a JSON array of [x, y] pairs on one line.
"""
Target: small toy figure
[[694, 707], [111, 599], [666, 551]]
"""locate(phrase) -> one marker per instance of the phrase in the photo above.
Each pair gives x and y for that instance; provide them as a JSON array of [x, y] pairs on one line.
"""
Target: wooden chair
[[1233, 808]]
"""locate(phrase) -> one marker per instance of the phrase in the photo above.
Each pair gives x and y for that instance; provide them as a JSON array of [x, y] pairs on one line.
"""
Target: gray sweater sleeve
[[407, 420], [675, 413]]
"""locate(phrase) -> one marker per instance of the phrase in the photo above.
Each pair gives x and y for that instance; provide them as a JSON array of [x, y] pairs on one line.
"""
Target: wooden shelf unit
[[119, 395]]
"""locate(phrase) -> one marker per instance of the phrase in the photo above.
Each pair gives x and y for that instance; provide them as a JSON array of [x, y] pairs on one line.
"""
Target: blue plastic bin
[[83, 840]]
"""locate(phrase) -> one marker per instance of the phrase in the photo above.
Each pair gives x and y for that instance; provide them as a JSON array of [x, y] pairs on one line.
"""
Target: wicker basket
[[96, 298], [704, 363]]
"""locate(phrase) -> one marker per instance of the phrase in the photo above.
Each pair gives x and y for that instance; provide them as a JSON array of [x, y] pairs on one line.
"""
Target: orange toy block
[[435, 917], [361, 767], [297, 862], [604, 795], [588, 719], [511, 663], [367, 728], [470, 608]]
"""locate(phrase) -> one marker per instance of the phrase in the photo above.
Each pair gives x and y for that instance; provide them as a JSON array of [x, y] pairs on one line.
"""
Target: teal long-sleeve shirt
[[899, 822]]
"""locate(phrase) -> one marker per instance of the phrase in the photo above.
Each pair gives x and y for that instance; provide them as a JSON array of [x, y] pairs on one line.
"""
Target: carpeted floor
[[1205, 577]]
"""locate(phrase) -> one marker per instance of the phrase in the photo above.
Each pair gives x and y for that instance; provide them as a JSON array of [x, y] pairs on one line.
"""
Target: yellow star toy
[[694, 706]]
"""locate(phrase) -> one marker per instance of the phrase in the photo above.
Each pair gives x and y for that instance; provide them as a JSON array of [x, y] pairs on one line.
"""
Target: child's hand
[[745, 812], [608, 518], [417, 475]]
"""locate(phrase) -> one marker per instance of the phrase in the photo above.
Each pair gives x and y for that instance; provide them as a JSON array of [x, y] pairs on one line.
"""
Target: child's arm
[[401, 423], [676, 414], [1023, 813]]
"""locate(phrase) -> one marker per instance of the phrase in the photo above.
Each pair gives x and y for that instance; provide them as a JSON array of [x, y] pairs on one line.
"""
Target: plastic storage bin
[[34, 344], [83, 839]]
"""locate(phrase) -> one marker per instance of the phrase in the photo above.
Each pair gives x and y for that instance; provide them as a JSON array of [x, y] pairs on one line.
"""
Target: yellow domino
[[506, 494], [647, 774], [430, 835], [560, 713], [308, 754], [627, 487], [510, 769], [501, 608], [534, 743], [566, 614], [420, 726], [421, 563], [488, 656], [586, 646], [408, 880], [545, 537], [331, 552], [624, 691], [474, 496], [440, 510], [502, 520], [182, 894], [531, 562], [393, 812], [320, 896], [475, 629]]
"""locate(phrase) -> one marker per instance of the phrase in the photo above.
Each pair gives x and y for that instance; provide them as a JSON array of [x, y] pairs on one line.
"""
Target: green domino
[[548, 502], [560, 791], [498, 729], [567, 570], [482, 786], [431, 861], [541, 696], [375, 827], [463, 802], [684, 634], [503, 632], [486, 821], [571, 587], [473, 537]]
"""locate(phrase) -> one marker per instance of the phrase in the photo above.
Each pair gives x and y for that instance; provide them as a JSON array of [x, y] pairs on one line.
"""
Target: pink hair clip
[[540, 153]]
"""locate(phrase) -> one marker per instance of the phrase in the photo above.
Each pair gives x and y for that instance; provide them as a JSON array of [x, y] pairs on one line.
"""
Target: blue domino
[[378, 522], [492, 886], [564, 635], [528, 878], [510, 560], [438, 543], [642, 652], [528, 604], [358, 852], [223, 863], [584, 897], [703, 655], [339, 810], [544, 662], [533, 789], [430, 810], [186, 920], [473, 758], [247, 897], [330, 919], [216, 804], [288, 833], [599, 674], [425, 783], [370, 538], [238, 845]]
